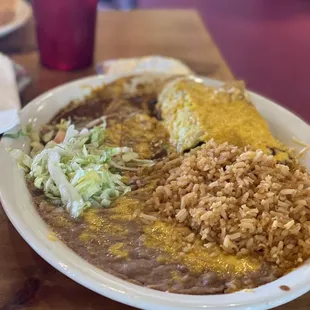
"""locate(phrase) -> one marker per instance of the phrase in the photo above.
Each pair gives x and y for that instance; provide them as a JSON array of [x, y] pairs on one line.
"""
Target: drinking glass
[[65, 32]]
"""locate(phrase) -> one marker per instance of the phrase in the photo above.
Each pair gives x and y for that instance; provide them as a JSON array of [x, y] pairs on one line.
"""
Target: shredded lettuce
[[63, 125], [24, 161], [19, 133], [81, 171], [27, 131]]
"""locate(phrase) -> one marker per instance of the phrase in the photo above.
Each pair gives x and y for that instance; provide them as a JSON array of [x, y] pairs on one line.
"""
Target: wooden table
[[26, 280]]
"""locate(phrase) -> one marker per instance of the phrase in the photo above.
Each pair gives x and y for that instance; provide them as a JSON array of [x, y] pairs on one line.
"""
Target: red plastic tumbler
[[65, 32]]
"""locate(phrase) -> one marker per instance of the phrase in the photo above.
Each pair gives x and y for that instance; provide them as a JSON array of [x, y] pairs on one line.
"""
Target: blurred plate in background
[[22, 14]]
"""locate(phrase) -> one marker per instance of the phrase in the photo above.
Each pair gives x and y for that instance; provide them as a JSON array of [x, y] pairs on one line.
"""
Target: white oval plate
[[19, 208], [22, 14]]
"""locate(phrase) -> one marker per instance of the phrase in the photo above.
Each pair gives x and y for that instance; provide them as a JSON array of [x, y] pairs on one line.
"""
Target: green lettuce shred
[[81, 171], [16, 135]]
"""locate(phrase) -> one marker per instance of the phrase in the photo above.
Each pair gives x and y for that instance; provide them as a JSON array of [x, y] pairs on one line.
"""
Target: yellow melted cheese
[[118, 250], [170, 239], [195, 113]]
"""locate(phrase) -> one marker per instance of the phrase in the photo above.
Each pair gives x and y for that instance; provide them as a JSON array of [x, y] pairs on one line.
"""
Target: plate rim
[[141, 296]]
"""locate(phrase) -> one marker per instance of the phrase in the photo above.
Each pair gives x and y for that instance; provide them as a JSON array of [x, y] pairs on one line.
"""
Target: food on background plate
[[7, 11], [172, 185], [143, 65]]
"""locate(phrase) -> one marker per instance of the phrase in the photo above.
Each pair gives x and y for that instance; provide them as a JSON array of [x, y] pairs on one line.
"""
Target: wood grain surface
[[26, 280]]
